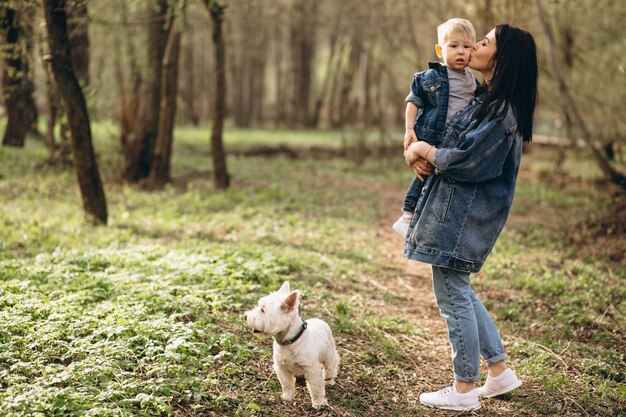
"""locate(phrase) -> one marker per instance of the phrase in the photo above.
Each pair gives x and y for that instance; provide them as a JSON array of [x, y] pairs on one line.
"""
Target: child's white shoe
[[401, 226], [450, 399], [505, 382]]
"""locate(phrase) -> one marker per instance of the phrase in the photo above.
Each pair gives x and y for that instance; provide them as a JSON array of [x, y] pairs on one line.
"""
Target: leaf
[[254, 406]]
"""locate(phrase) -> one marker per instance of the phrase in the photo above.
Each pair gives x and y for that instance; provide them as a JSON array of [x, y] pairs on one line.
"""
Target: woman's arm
[[479, 156]]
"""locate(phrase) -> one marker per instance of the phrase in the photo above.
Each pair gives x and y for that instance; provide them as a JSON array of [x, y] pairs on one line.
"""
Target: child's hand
[[409, 137]]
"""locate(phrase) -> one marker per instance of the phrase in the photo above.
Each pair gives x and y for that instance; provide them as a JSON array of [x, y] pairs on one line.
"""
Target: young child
[[440, 93]]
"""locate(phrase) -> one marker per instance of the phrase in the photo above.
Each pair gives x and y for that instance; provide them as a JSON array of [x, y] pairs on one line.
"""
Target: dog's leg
[[315, 382], [331, 367], [287, 382]]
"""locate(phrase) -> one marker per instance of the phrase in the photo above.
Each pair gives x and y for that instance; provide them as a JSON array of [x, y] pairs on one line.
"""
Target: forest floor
[[144, 316]]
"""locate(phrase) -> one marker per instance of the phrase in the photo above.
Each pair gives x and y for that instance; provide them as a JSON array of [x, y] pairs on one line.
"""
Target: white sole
[[503, 391], [453, 407]]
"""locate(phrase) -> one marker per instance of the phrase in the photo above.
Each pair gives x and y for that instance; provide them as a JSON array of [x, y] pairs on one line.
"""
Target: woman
[[464, 207]]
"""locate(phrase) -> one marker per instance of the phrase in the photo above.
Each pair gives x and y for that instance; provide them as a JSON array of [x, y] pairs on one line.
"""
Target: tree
[[570, 105], [78, 30], [94, 201], [139, 153], [17, 81], [221, 178], [302, 52], [160, 170]]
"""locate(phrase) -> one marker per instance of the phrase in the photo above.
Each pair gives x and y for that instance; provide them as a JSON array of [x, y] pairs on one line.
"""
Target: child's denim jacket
[[430, 92], [463, 206]]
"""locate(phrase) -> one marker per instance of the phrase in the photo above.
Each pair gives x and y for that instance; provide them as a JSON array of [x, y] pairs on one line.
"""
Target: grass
[[143, 317]]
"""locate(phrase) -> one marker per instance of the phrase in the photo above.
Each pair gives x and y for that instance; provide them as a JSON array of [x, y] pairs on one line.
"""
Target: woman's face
[[483, 54]]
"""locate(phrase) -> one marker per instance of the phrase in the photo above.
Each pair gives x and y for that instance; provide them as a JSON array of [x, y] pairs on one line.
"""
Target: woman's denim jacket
[[430, 92], [465, 203]]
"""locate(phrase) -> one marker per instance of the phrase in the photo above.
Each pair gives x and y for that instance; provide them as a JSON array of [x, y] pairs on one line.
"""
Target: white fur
[[313, 355]]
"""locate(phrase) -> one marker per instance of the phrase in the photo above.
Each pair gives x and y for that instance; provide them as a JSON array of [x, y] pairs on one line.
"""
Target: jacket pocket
[[446, 203], [432, 90]]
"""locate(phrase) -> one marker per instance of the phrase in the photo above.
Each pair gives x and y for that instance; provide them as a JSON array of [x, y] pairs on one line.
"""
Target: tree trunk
[[302, 50], [570, 105], [94, 201], [160, 170], [319, 102], [78, 29], [128, 105], [218, 102], [189, 90], [280, 111], [361, 142], [140, 154], [17, 83]]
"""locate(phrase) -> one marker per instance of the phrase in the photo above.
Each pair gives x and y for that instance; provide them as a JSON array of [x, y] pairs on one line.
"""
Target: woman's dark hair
[[514, 79]]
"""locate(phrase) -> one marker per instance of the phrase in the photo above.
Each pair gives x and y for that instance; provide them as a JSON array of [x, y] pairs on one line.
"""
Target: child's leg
[[401, 226], [412, 195]]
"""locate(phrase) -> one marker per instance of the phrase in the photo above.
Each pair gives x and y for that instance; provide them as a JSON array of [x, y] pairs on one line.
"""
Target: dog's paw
[[287, 396], [330, 381], [320, 403]]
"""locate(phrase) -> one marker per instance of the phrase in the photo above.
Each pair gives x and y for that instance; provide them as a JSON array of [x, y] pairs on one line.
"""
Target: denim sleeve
[[416, 94], [479, 157]]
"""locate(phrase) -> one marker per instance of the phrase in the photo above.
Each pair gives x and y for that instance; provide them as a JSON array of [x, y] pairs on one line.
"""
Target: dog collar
[[293, 339]]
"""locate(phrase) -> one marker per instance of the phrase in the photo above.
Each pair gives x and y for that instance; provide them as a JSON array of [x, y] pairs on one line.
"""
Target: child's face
[[455, 51]]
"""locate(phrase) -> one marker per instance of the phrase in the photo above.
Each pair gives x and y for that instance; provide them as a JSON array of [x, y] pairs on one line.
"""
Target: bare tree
[[140, 150], [302, 52], [129, 87], [160, 170], [17, 82], [92, 191], [570, 105], [78, 29], [221, 178]]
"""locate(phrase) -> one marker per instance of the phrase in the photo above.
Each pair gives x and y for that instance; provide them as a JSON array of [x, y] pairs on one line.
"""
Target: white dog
[[300, 347]]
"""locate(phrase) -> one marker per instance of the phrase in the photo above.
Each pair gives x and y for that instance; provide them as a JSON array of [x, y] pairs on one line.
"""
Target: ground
[[144, 316]]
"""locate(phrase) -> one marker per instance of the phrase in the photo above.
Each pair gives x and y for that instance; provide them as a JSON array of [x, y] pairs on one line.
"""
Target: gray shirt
[[461, 87]]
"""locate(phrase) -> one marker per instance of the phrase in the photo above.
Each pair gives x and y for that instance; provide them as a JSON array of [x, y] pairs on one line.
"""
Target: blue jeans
[[412, 195], [471, 330]]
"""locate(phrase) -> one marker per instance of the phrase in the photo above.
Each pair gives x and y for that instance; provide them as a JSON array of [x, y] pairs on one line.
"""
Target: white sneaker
[[401, 226], [449, 399], [503, 383]]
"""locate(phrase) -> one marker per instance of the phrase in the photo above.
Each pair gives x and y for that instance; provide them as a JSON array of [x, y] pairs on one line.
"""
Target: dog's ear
[[291, 302], [284, 288]]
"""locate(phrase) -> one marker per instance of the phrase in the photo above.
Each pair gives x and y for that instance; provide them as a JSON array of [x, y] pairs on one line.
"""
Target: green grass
[[143, 316]]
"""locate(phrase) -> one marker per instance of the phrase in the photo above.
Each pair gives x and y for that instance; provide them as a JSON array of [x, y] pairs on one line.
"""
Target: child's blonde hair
[[456, 25]]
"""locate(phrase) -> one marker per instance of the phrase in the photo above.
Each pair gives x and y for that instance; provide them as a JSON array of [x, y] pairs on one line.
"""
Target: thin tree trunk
[[189, 91], [128, 112], [571, 107], [302, 50], [279, 113], [94, 201], [140, 154], [361, 142], [78, 30], [160, 170], [17, 83], [319, 102], [221, 177]]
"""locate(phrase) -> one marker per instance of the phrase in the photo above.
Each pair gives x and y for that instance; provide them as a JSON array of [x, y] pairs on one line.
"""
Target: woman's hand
[[414, 157], [422, 169]]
